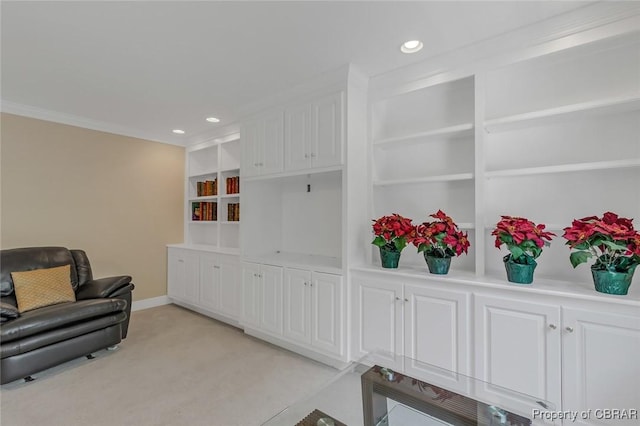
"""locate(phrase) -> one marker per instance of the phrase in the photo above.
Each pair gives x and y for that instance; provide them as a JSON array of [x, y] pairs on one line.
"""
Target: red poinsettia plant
[[611, 239], [441, 237], [523, 238], [392, 232]]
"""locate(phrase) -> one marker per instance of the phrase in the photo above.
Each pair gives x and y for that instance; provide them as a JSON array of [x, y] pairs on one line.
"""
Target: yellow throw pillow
[[42, 287]]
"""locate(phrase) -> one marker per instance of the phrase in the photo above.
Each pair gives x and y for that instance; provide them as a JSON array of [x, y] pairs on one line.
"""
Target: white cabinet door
[[251, 294], [517, 348], [600, 368], [209, 281], [326, 141], [326, 312], [297, 284], [262, 144], [377, 320], [271, 146], [297, 137], [176, 273], [250, 134], [229, 286], [271, 303], [437, 335]]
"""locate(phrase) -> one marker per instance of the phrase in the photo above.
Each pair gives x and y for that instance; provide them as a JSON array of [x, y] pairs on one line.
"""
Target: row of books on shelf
[[233, 212], [204, 210], [233, 185], [206, 188], [210, 187], [208, 211]]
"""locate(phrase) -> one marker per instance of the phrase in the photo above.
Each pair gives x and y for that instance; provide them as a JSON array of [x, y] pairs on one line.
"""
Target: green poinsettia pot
[[612, 282], [389, 258], [438, 265], [519, 273]]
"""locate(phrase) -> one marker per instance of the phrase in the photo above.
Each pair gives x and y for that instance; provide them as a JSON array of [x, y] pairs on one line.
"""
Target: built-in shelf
[[445, 132], [426, 179], [229, 222], [204, 175], [566, 168], [565, 112], [206, 198]]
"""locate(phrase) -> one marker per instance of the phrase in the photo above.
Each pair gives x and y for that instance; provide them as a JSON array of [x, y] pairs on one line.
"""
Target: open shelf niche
[[295, 220], [209, 165]]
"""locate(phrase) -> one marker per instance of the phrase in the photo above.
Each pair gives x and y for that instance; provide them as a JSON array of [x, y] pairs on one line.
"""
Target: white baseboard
[[139, 305]]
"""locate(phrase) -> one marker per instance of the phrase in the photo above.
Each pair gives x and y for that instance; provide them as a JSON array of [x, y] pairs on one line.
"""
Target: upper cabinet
[[263, 144], [313, 136]]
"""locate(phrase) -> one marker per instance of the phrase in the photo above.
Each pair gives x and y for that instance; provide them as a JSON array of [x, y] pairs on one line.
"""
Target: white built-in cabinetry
[[296, 216], [262, 144], [314, 133], [403, 318], [559, 349], [204, 271], [557, 343], [551, 136], [206, 281]]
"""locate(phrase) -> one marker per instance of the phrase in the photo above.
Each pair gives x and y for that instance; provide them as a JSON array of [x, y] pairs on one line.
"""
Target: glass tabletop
[[367, 393]]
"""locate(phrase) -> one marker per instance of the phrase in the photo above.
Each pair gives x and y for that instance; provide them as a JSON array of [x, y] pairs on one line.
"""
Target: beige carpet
[[175, 368]]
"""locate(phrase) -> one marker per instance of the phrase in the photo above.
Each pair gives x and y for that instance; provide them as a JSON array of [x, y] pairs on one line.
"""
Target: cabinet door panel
[[229, 287], [297, 137], [271, 307], [326, 143], [378, 321], [594, 373], [209, 282], [436, 327], [251, 294], [191, 277], [517, 348], [251, 139], [272, 144], [326, 312], [296, 301], [176, 274]]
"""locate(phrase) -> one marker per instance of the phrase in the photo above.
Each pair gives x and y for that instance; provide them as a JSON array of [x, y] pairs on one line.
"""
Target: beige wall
[[118, 198]]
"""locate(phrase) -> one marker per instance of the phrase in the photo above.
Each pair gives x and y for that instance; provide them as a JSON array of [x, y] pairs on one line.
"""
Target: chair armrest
[[103, 287], [8, 312]]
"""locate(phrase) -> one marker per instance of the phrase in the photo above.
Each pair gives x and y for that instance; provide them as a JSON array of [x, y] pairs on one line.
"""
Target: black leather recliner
[[42, 338]]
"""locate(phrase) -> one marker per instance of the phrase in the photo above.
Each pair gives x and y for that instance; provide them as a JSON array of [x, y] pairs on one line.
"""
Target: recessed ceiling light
[[178, 131], [213, 120], [411, 46]]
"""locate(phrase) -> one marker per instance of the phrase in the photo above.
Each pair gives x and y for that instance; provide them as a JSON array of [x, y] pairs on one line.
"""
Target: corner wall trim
[[139, 305]]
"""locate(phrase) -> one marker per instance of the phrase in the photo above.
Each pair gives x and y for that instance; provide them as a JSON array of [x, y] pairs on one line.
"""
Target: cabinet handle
[[397, 298], [216, 267], [180, 260], [306, 156], [406, 300], [305, 283], [313, 155], [552, 326], [256, 164], [569, 329]]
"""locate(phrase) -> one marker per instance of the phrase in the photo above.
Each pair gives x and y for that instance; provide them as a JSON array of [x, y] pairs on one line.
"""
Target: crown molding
[[590, 23], [77, 121]]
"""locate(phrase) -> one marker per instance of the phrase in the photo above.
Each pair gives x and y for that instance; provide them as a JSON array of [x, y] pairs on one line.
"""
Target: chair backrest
[[30, 258]]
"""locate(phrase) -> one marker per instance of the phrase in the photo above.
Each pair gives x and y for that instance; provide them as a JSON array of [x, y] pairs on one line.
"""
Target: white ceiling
[[144, 68]]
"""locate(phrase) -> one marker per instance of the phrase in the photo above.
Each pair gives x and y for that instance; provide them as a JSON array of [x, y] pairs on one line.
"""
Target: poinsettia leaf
[[579, 257], [400, 243], [379, 241], [614, 246], [516, 251]]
